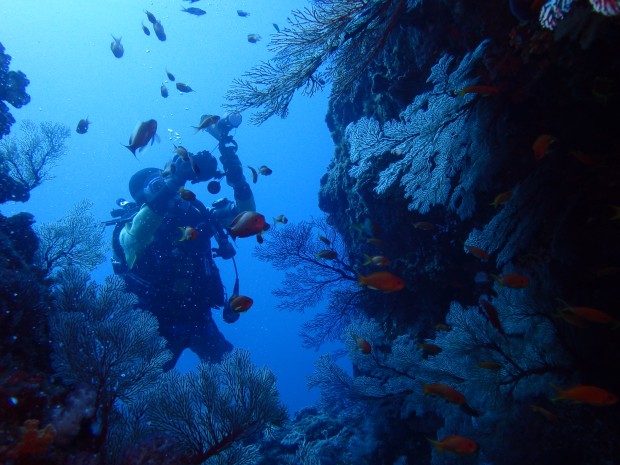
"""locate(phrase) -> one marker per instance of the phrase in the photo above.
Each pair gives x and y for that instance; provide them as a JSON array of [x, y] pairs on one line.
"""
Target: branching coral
[[12, 90], [209, 411], [343, 37], [100, 340], [309, 278], [75, 240], [30, 156], [440, 147]]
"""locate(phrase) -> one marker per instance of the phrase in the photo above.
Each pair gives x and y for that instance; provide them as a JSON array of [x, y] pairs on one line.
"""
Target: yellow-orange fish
[[188, 233]]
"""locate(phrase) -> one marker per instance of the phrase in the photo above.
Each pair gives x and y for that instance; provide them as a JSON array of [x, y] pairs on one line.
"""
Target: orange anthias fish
[[247, 224], [492, 316], [445, 392], [542, 145], [188, 233], [362, 345], [205, 121], [186, 194], [501, 199], [240, 303], [590, 395], [588, 313], [477, 252], [381, 281], [455, 444], [512, 280]]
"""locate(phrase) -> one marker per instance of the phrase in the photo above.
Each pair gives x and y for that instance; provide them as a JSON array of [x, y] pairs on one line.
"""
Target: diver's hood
[[140, 181]]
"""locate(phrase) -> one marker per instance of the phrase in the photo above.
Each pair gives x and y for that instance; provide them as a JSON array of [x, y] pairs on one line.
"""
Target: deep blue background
[[64, 49]]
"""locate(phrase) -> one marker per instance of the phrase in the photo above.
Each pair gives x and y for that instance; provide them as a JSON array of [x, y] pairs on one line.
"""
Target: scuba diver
[[162, 244]]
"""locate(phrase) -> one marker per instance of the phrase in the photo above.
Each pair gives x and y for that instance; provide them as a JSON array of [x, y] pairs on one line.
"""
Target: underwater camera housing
[[226, 124]]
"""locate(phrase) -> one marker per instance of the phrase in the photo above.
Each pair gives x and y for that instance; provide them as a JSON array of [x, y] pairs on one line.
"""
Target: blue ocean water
[[64, 49]]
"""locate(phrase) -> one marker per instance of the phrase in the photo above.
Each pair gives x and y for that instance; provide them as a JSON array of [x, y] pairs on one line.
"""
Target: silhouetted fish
[[164, 91], [146, 30], [117, 47], [194, 11], [170, 75], [151, 17], [82, 127], [184, 87], [242, 13], [144, 132], [276, 27], [159, 30]]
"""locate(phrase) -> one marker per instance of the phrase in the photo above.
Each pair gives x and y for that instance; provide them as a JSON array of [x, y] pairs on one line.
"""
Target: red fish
[[590, 395], [456, 444], [188, 233], [445, 392], [589, 314], [144, 133], [247, 224], [542, 145], [501, 199], [381, 281], [186, 194], [493, 316], [362, 345], [478, 252], [512, 280], [240, 303]]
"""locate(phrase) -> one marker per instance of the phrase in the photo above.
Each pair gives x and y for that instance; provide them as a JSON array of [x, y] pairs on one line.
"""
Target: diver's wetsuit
[[179, 282]]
